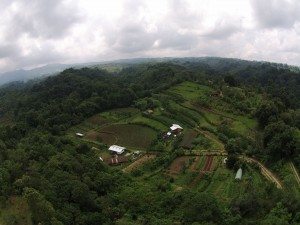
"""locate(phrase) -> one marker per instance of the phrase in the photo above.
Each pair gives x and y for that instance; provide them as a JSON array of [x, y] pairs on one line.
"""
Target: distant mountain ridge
[[25, 75], [52, 69]]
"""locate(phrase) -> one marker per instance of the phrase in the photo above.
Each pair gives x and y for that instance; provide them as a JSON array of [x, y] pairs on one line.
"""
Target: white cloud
[[276, 13], [35, 32]]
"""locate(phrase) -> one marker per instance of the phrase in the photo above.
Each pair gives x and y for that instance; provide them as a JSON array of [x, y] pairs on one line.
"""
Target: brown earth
[[178, 164]]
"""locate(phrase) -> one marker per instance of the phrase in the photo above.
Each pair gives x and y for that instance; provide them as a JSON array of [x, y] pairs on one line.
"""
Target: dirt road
[[295, 172], [266, 172]]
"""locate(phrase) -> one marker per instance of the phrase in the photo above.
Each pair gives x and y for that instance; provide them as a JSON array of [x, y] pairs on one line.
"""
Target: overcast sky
[[38, 32]]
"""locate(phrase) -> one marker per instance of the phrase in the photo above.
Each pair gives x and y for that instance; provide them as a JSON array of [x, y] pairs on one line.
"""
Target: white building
[[117, 149], [176, 128], [239, 174], [79, 134]]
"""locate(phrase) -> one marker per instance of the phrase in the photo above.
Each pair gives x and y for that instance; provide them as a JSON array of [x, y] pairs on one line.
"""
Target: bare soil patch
[[178, 164]]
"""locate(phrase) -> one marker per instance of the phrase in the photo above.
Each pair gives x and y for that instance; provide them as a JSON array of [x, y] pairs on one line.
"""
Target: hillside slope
[[61, 179]]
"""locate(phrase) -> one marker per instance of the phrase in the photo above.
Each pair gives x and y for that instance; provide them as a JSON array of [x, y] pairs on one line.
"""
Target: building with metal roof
[[176, 127], [117, 149], [79, 134]]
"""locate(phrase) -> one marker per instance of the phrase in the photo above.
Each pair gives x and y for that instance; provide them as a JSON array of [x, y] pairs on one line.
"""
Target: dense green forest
[[48, 176]]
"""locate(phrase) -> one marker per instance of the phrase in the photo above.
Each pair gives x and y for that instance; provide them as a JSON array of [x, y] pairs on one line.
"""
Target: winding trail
[[295, 172], [266, 172]]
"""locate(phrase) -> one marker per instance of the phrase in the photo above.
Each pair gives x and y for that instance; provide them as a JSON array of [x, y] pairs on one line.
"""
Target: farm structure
[[117, 149], [239, 174], [149, 111], [79, 134], [116, 160], [175, 128]]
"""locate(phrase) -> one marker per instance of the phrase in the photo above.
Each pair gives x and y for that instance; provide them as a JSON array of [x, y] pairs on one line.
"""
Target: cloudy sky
[[38, 32]]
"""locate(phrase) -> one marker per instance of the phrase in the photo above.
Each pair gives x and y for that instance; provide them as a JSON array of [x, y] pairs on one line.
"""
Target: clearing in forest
[[190, 91]]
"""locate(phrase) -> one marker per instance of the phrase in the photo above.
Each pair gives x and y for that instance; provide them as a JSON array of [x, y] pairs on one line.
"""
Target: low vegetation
[[51, 176]]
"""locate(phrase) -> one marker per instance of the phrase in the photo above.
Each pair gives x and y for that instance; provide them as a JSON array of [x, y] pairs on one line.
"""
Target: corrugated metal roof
[[117, 149], [175, 127]]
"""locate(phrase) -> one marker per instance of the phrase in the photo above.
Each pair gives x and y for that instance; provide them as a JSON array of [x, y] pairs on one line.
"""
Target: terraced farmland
[[128, 135]]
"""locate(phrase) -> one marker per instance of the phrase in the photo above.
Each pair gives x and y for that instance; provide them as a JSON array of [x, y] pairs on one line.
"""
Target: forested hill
[[50, 176], [265, 74], [60, 101], [75, 94], [280, 80]]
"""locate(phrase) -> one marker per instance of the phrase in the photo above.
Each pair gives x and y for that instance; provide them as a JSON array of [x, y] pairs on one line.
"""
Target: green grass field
[[190, 91], [149, 122], [188, 137]]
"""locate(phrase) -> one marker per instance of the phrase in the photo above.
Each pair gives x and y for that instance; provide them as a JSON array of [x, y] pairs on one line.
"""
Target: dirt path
[[202, 152], [138, 162], [266, 172], [295, 172]]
